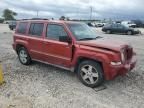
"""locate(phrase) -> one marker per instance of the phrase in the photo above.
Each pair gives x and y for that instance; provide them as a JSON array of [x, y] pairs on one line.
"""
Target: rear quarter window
[[22, 26]]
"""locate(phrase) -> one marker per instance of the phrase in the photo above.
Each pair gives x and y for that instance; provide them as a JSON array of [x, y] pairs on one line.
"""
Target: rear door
[[20, 36], [57, 52], [35, 40]]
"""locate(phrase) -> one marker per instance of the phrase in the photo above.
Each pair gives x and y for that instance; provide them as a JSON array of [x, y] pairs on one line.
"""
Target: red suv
[[75, 47]]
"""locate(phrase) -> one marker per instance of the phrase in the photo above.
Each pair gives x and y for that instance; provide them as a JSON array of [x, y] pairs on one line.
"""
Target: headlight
[[122, 55]]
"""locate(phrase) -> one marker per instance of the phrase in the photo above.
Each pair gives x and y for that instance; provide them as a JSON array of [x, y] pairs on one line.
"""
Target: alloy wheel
[[23, 56], [89, 74]]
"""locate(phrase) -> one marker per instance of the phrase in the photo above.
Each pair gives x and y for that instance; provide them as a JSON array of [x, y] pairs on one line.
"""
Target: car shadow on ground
[[121, 81], [50, 67], [119, 34], [48, 72]]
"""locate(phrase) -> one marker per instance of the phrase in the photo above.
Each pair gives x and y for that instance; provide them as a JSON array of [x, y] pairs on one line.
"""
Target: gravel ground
[[44, 86]]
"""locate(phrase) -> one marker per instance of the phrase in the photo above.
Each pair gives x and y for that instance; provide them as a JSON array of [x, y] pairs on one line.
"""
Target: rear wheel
[[23, 55], [90, 73], [108, 31]]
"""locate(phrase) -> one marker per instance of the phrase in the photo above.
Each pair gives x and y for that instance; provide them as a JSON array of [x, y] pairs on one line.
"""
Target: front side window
[[120, 26], [54, 31], [36, 29], [22, 27]]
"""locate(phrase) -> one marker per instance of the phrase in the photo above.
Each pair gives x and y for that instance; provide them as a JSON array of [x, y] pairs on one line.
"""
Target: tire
[[129, 33], [90, 73], [108, 31], [23, 56]]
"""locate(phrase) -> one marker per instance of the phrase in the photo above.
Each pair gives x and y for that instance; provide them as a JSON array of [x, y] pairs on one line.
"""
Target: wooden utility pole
[[37, 13], [91, 12]]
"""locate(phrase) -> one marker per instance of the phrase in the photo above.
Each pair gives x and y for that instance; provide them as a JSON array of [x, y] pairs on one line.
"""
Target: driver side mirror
[[65, 39]]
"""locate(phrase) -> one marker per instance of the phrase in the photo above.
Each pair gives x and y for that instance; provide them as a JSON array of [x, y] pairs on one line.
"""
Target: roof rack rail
[[39, 19], [36, 19]]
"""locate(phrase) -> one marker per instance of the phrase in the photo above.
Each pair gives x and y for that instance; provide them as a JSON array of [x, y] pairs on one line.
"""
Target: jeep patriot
[[73, 46]]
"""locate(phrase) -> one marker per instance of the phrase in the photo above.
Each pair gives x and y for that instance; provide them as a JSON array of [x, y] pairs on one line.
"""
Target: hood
[[104, 43]]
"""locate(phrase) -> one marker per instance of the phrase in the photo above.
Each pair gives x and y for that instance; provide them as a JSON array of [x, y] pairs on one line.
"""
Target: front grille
[[128, 53]]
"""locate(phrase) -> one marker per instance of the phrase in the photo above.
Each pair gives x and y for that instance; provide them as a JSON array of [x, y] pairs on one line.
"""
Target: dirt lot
[[44, 86]]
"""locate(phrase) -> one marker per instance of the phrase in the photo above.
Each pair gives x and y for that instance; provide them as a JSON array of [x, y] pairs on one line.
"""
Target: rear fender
[[22, 43]]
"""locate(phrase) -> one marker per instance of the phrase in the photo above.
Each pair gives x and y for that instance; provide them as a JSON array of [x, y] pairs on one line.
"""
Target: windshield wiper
[[98, 37], [91, 38], [87, 39]]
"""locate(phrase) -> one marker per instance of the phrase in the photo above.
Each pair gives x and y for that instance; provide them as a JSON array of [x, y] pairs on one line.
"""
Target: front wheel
[[11, 28], [90, 73], [129, 33], [23, 55]]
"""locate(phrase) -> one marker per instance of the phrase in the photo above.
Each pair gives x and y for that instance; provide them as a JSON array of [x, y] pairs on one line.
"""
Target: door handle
[[67, 47], [47, 43]]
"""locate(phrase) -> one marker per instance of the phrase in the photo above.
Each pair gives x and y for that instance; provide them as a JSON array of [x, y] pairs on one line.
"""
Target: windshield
[[131, 22], [81, 31]]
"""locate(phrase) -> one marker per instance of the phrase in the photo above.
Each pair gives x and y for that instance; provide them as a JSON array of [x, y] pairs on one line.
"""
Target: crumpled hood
[[104, 43]]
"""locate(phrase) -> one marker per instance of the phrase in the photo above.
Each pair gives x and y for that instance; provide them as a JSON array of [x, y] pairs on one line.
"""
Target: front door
[[120, 28], [57, 52]]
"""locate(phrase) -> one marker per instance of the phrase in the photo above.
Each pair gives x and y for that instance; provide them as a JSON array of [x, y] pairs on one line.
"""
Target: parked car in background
[[98, 24], [1, 20], [90, 24], [139, 23], [73, 46], [12, 25], [119, 28], [7, 21], [128, 24], [143, 24]]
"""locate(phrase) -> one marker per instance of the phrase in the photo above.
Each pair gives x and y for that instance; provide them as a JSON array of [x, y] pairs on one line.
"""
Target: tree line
[[8, 15]]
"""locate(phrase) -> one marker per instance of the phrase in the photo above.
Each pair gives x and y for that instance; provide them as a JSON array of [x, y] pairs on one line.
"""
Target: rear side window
[[114, 26], [36, 29], [22, 27]]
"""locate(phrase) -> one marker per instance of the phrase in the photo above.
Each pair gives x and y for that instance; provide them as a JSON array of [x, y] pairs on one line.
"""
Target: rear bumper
[[137, 32], [114, 71]]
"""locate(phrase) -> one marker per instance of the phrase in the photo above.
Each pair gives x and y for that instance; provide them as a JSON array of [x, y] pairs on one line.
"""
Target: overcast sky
[[115, 9]]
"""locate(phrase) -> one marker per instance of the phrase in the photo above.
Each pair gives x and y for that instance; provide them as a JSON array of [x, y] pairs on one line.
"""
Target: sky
[[76, 9]]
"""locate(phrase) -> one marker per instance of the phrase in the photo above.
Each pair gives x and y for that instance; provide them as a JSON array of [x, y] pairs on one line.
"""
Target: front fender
[[103, 58]]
